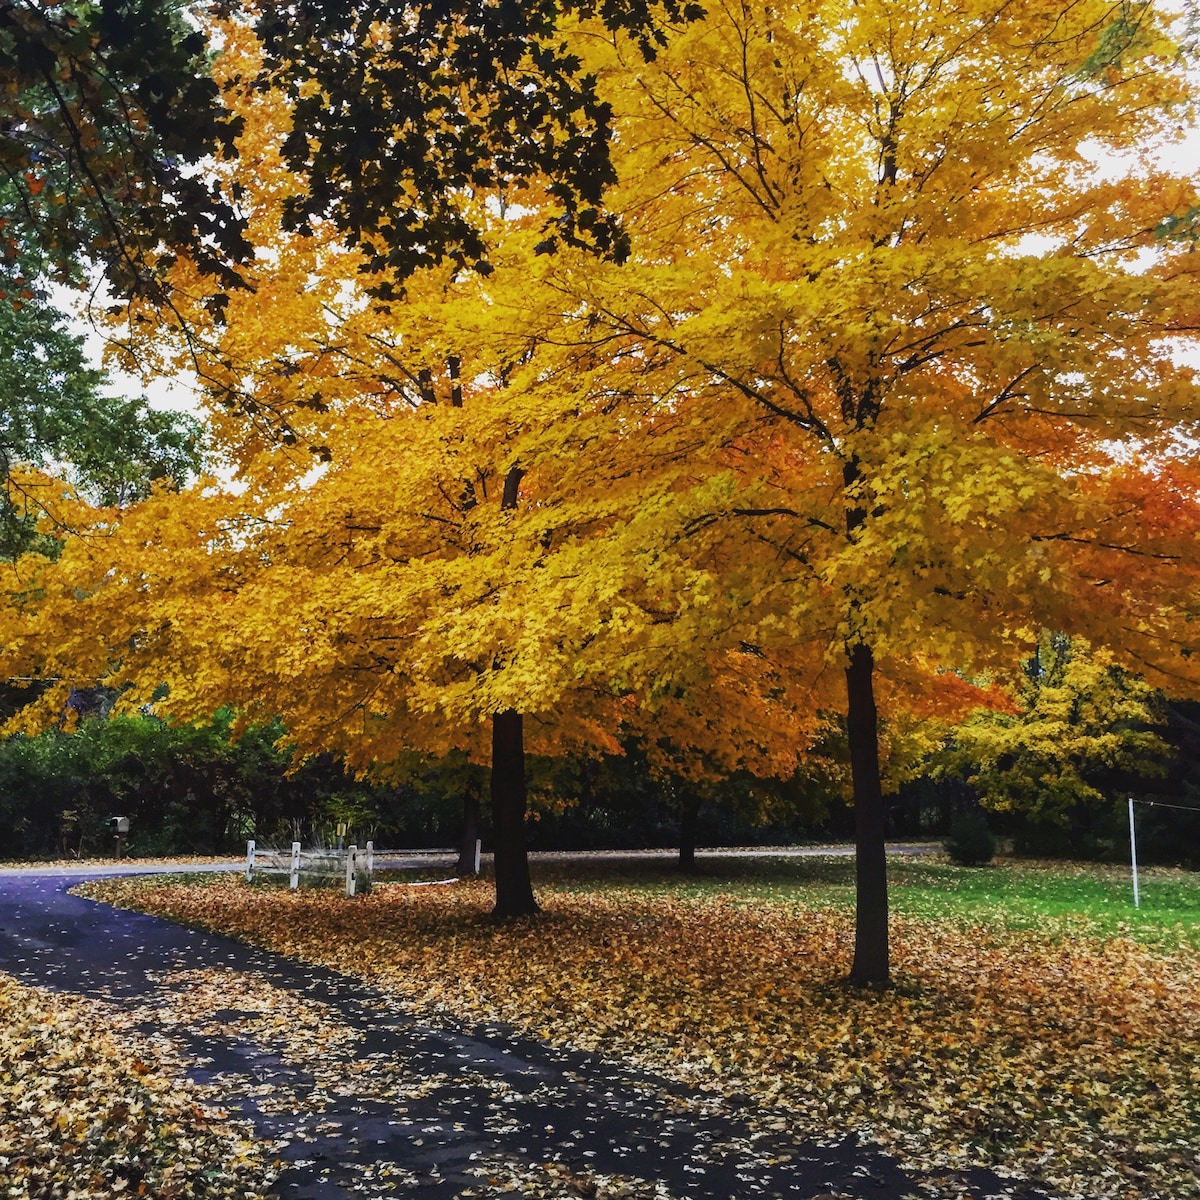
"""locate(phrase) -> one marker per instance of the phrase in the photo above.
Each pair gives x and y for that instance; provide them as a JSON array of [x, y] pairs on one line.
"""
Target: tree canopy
[[108, 107]]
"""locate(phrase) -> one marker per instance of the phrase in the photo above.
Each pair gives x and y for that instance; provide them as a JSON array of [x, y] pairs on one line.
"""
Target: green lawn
[[1063, 898]]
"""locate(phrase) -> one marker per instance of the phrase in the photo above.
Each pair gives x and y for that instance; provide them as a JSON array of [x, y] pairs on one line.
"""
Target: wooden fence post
[[249, 861], [351, 863], [294, 881], [370, 858]]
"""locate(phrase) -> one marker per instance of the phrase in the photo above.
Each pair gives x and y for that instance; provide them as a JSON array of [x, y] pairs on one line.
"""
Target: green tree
[[56, 412], [425, 106], [107, 106], [1085, 723]]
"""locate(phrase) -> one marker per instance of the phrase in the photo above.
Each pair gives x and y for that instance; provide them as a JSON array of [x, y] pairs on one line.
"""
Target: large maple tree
[[924, 274], [375, 460]]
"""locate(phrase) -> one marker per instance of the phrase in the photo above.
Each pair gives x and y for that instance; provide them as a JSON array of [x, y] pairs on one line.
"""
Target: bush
[[971, 842]]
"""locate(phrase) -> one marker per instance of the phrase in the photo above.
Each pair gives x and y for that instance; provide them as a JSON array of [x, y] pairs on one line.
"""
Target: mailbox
[[119, 824]]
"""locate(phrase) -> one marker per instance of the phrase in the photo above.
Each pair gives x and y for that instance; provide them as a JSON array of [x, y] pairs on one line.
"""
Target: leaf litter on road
[[91, 1114], [1072, 1062]]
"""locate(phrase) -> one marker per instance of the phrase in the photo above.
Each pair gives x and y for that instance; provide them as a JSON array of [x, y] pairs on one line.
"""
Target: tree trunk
[[514, 890], [687, 834], [871, 964], [470, 831]]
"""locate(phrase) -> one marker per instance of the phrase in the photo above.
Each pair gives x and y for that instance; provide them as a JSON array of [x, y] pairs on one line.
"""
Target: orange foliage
[[1070, 1059]]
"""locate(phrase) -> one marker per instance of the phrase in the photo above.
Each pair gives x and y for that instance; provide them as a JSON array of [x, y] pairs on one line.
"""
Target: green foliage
[[186, 788], [107, 104], [56, 413], [382, 119], [970, 842], [1087, 729]]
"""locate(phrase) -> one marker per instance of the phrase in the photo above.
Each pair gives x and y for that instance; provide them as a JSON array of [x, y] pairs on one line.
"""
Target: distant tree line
[[196, 789]]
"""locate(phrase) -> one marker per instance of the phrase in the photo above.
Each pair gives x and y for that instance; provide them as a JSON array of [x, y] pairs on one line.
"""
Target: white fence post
[[351, 856], [294, 881], [370, 858], [1133, 856], [478, 852], [249, 861]]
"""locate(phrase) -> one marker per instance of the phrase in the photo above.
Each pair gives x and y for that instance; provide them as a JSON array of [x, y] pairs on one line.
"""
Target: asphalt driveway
[[390, 1107]]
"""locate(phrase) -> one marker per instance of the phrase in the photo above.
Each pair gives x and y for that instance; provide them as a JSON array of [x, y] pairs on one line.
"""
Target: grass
[[1081, 897], [1064, 899], [1057, 898]]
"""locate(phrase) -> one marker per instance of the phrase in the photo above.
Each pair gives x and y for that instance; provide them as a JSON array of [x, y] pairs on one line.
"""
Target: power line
[[1164, 804]]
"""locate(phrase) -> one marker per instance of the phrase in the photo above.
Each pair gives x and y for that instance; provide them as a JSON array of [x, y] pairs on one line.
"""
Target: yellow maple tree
[[920, 273]]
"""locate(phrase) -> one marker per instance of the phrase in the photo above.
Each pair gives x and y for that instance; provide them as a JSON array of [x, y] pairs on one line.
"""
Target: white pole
[[1133, 856], [249, 861], [478, 852], [351, 855], [294, 882], [370, 858]]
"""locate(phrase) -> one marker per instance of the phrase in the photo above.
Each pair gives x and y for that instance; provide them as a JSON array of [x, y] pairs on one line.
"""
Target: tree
[[423, 107], [108, 107], [414, 508], [1084, 724], [879, 255], [532, 114], [889, 379], [321, 373]]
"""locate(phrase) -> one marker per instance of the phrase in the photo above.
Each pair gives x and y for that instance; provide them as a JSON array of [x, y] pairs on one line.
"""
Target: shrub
[[971, 842]]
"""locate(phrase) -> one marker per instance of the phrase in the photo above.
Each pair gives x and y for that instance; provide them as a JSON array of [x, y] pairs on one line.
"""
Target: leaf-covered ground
[[87, 1115], [1026, 1031]]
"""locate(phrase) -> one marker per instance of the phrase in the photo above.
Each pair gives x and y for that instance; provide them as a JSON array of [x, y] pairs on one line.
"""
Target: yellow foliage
[[895, 362]]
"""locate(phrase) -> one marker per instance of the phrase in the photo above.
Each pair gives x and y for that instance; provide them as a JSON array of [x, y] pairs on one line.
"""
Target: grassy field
[[1070, 899], [1038, 1024]]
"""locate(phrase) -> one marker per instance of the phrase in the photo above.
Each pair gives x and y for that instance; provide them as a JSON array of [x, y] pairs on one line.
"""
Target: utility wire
[[1163, 804]]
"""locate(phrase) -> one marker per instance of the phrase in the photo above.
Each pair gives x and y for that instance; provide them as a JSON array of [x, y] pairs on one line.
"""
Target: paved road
[[463, 1101]]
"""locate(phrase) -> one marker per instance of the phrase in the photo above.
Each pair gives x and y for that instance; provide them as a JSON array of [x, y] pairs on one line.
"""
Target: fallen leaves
[[1075, 1062], [86, 1116]]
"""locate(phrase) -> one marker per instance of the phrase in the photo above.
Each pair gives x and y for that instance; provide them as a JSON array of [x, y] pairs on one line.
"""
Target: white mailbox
[[119, 824]]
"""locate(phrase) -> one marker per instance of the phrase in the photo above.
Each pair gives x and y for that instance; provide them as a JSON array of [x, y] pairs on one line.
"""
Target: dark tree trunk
[[514, 890], [871, 964], [470, 831], [425, 383], [687, 834]]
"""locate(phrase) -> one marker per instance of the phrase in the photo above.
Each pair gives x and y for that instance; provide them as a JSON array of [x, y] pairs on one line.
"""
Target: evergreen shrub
[[970, 842]]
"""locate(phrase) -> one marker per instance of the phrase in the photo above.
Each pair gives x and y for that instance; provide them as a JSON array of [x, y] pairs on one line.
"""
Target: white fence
[[324, 864], [330, 865]]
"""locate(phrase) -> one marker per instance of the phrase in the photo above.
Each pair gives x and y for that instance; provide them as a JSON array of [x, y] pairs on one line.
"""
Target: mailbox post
[[120, 828]]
